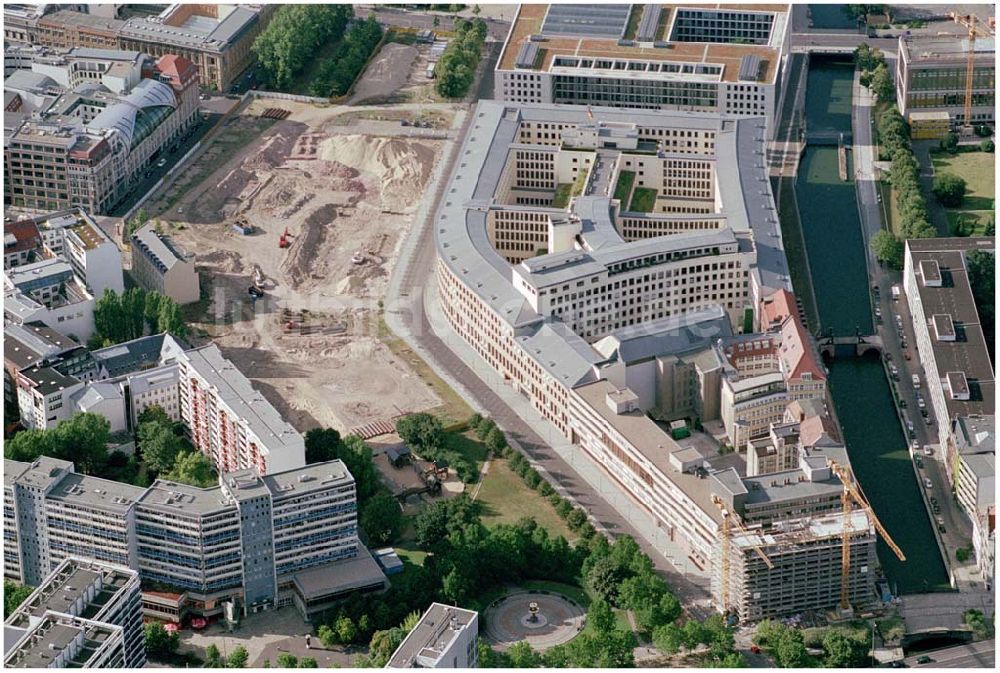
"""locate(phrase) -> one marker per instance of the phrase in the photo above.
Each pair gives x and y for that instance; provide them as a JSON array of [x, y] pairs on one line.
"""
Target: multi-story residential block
[[158, 264], [88, 146], [251, 542], [226, 418], [73, 236], [99, 592], [50, 292], [931, 74], [958, 372], [726, 59], [36, 344], [59, 640], [230, 421], [445, 637], [217, 39]]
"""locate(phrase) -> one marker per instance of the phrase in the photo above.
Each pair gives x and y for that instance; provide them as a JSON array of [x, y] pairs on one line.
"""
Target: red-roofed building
[[177, 71], [20, 240]]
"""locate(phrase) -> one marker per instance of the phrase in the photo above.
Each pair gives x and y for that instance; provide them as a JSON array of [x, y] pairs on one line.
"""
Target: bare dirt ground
[[346, 201], [386, 73]]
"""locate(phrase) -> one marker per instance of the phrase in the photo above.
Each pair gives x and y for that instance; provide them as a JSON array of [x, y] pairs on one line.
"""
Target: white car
[[928, 450], [916, 445], [161, 163], [927, 483]]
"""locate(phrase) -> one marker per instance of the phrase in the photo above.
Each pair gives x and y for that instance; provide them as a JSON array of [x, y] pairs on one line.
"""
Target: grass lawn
[[561, 198], [890, 209], [505, 499], [411, 556], [978, 169], [453, 408], [642, 200], [968, 222], [633, 22], [623, 188]]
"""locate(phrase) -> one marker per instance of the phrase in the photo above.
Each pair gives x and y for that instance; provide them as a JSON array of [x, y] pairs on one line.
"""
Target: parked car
[[916, 445], [928, 450], [161, 163], [941, 529], [919, 461], [916, 381], [927, 483], [924, 659]]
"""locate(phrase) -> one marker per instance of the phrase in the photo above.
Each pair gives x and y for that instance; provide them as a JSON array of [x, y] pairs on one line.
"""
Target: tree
[[322, 445], [381, 518], [887, 248], [881, 83], [238, 658], [844, 652], [171, 318], [950, 143], [158, 445], [213, 658], [308, 662], [649, 597], [421, 431], [483, 428], [522, 655], [604, 578], [293, 37], [192, 468], [160, 644], [668, 638], [987, 146], [867, 58], [949, 189], [286, 660], [345, 629], [790, 650], [13, 595], [496, 442]]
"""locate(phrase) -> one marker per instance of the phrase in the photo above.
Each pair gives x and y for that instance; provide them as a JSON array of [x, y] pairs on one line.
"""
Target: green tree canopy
[[238, 658], [160, 644], [192, 468], [887, 248], [13, 595], [381, 518], [949, 189]]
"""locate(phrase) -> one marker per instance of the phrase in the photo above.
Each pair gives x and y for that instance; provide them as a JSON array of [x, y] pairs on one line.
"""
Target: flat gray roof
[[114, 496], [335, 578], [432, 634], [772, 488], [248, 403], [73, 580], [967, 353], [673, 335]]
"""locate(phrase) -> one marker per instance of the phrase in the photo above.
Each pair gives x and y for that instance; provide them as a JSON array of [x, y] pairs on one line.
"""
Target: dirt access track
[[344, 201]]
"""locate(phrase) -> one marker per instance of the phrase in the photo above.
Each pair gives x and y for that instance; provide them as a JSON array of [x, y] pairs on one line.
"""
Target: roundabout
[[541, 618]]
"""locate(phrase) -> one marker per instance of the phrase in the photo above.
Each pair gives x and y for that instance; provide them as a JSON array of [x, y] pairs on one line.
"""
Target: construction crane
[[969, 21], [729, 520], [852, 494]]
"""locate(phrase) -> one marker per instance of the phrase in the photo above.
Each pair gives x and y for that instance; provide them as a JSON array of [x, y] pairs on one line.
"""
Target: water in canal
[[860, 390]]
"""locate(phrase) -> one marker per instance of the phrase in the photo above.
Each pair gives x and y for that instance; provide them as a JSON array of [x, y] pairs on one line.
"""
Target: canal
[[860, 390]]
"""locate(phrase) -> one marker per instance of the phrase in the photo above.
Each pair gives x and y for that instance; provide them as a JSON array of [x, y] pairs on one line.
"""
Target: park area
[[978, 169]]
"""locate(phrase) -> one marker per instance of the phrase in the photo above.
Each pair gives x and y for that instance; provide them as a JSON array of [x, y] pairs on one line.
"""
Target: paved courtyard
[[509, 620], [267, 635]]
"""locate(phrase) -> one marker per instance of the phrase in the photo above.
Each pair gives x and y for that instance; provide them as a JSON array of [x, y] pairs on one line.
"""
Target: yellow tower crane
[[853, 494], [729, 521], [969, 21]]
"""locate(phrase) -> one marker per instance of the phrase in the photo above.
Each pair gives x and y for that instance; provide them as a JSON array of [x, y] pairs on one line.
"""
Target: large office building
[[595, 304], [91, 590], [253, 542], [932, 73], [217, 39], [445, 637], [58, 640], [958, 372], [718, 58], [89, 144]]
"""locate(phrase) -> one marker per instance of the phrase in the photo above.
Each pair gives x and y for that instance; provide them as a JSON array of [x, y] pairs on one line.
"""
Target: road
[[972, 655], [958, 529]]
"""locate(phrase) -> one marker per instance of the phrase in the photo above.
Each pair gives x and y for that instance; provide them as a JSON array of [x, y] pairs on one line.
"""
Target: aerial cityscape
[[499, 335]]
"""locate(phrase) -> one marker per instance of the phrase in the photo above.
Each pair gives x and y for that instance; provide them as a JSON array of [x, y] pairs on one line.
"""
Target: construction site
[[296, 218]]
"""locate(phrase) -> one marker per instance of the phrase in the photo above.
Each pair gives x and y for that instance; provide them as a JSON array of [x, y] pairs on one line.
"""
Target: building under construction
[[805, 570]]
